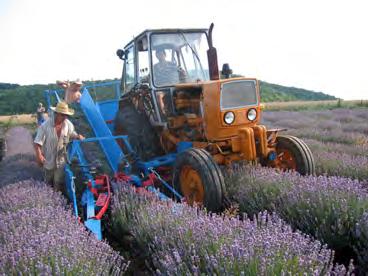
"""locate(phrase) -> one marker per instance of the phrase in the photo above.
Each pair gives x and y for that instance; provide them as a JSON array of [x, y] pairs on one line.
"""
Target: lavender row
[[341, 125], [351, 150], [19, 167], [330, 119], [182, 240], [341, 164], [335, 159], [39, 236], [328, 208], [338, 138]]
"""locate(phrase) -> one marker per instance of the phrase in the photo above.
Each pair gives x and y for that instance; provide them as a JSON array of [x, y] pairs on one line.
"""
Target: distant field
[[22, 119], [314, 105]]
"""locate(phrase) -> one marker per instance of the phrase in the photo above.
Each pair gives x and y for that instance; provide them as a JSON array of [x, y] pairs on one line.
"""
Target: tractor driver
[[165, 72]]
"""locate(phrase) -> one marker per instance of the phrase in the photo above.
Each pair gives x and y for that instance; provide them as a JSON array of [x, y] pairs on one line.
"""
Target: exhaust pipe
[[212, 57]]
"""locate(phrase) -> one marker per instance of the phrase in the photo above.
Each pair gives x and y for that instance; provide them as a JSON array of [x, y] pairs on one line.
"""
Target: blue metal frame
[[111, 149], [88, 200], [96, 116]]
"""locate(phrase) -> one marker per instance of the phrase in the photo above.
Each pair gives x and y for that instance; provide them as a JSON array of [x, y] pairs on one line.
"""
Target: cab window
[[143, 67], [129, 70]]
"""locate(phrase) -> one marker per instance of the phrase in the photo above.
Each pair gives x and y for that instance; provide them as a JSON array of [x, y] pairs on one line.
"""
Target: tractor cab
[[160, 60]]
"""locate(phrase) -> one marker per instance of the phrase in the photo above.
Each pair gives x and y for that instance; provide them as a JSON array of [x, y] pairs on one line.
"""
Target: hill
[[20, 99], [277, 93]]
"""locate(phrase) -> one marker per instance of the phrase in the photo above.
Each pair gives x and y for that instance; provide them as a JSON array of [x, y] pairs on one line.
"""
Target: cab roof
[[145, 32]]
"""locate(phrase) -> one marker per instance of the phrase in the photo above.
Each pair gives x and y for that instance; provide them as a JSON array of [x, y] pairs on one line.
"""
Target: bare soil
[[19, 162], [18, 141]]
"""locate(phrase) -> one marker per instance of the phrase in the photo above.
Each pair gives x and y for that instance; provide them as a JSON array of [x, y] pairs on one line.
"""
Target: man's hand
[[80, 137], [40, 159]]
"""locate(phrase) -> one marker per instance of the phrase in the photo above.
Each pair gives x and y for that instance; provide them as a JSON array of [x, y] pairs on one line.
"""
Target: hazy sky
[[318, 45]]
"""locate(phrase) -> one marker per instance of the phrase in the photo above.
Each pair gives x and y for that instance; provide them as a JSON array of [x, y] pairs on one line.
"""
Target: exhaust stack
[[212, 57]]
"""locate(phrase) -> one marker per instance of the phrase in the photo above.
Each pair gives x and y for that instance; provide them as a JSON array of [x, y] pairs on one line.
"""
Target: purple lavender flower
[[325, 207], [19, 167], [40, 236], [343, 126], [184, 240], [361, 248]]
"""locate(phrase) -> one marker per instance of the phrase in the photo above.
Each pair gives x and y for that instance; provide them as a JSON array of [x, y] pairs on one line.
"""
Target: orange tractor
[[174, 101]]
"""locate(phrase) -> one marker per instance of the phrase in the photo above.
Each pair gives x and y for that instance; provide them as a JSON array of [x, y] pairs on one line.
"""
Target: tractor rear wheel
[[141, 134], [199, 179], [293, 154]]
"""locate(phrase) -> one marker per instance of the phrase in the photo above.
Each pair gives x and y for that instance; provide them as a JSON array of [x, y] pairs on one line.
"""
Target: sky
[[321, 45]]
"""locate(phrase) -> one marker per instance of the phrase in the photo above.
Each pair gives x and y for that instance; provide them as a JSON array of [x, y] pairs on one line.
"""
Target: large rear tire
[[199, 179], [142, 136], [293, 154]]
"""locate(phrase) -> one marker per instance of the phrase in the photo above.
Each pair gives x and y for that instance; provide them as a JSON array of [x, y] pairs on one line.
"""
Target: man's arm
[[40, 158], [74, 134], [37, 143]]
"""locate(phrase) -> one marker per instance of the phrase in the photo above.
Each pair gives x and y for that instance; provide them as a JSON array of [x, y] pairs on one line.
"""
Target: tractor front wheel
[[199, 179], [293, 154]]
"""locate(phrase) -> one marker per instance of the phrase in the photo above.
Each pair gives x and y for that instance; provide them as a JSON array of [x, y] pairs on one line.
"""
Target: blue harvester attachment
[[96, 196]]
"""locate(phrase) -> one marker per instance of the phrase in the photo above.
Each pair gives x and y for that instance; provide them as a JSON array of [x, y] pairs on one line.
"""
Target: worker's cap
[[63, 108]]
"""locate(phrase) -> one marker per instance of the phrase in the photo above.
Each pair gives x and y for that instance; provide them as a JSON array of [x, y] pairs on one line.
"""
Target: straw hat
[[63, 108], [77, 82]]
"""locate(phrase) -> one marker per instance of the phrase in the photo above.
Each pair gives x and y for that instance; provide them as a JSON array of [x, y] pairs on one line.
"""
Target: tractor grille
[[238, 94]]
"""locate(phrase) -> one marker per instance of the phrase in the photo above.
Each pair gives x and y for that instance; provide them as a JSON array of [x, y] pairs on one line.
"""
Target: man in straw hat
[[51, 142]]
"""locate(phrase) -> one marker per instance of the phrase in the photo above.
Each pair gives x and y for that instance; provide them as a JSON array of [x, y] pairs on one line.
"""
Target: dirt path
[[18, 141], [19, 162]]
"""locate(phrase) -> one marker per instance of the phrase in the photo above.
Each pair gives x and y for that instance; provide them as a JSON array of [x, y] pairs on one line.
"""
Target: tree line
[[23, 99]]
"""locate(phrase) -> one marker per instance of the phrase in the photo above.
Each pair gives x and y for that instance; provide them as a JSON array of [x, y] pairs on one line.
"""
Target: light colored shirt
[[54, 147], [165, 73]]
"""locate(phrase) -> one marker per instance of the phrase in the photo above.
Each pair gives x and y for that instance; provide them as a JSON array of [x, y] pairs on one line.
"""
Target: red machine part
[[101, 191]]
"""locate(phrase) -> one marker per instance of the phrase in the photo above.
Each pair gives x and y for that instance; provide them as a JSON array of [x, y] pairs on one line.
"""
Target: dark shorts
[[56, 178]]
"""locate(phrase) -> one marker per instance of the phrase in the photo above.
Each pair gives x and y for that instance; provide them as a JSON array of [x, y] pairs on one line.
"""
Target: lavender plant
[[342, 125], [337, 138], [39, 236], [361, 249], [340, 159], [341, 164], [181, 240], [19, 167], [326, 207], [351, 150]]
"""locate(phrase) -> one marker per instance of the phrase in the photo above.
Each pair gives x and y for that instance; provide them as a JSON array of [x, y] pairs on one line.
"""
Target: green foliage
[[274, 93], [23, 99], [7, 85], [20, 99]]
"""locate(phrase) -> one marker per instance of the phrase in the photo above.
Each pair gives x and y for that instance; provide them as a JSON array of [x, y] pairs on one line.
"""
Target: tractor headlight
[[229, 117], [252, 114]]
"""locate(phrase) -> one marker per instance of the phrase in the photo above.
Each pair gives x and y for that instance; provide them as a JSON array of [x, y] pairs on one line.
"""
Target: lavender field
[[280, 223], [338, 138], [180, 240], [39, 236]]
